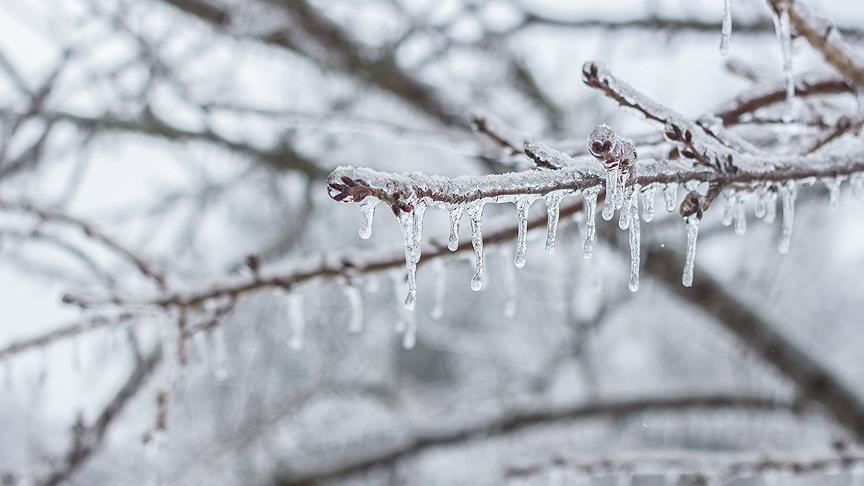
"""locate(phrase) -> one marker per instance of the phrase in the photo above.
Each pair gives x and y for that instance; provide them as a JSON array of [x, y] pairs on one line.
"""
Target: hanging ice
[[553, 210], [690, 260], [670, 195], [590, 195], [455, 217], [771, 206], [728, 207], [440, 288], [522, 206], [411, 225], [784, 33], [355, 306], [624, 214], [509, 284], [611, 190], [788, 191], [761, 201], [726, 29], [833, 186], [367, 206], [648, 203], [740, 215], [475, 212], [633, 284], [297, 320], [857, 183]]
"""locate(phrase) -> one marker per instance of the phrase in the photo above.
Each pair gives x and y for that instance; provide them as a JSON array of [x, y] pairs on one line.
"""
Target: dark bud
[[253, 263], [673, 132], [688, 154], [589, 73], [692, 204], [843, 123], [688, 137], [348, 181]]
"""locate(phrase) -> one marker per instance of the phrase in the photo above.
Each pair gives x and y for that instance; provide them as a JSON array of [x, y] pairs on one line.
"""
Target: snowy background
[[185, 140]]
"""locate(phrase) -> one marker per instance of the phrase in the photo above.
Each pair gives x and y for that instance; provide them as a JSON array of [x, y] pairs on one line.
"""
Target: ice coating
[[692, 223], [726, 29], [522, 206], [475, 213], [455, 215], [367, 207], [590, 207], [635, 239], [788, 192], [670, 195], [648, 203], [553, 210]]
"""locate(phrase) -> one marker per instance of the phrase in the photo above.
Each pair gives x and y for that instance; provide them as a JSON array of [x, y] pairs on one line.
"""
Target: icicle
[[728, 207], [411, 225], [611, 189], [633, 284], [857, 183], [297, 319], [455, 217], [726, 30], [624, 214], [692, 233], [553, 209], [833, 186], [440, 288], [409, 337], [648, 203], [510, 291], [620, 195], [771, 207], [670, 195], [740, 215], [475, 212], [355, 307], [762, 201], [590, 195], [367, 206], [784, 33], [788, 192], [522, 206]]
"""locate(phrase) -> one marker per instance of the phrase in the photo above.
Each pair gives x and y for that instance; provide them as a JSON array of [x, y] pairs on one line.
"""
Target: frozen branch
[[53, 216], [515, 421], [713, 468], [815, 382], [825, 38], [87, 439]]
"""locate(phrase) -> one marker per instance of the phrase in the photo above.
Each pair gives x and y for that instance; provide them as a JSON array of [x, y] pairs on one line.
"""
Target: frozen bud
[[601, 142], [692, 204], [624, 151]]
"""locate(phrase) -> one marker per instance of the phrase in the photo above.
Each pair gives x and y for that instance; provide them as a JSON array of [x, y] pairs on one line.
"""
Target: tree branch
[[516, 421]]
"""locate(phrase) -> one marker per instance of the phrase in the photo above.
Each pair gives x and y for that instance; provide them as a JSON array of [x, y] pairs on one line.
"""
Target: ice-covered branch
[[65, 332], [824, 37], [515, 421], [717, 468], [87, 438], [53, 216], [815, 382]]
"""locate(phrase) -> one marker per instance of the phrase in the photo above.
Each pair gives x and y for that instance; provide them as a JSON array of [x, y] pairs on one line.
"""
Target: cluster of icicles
[[632, 199]]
